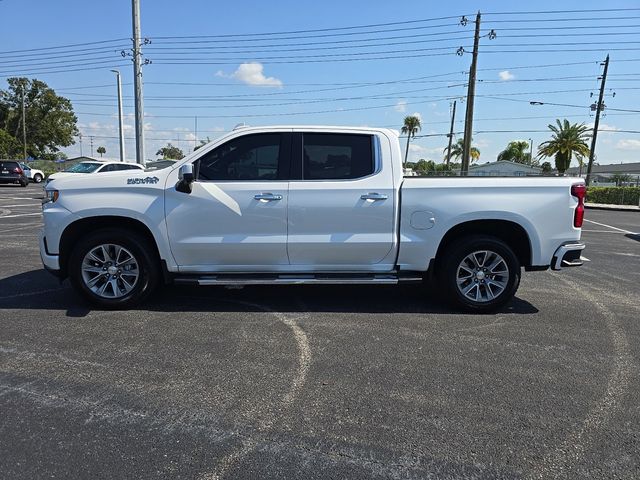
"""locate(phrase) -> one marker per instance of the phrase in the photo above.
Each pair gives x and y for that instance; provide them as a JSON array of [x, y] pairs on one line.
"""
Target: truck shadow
[[37, 290]]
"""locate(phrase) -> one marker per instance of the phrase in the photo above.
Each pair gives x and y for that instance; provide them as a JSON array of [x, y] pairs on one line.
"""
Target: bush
[[614, 195]]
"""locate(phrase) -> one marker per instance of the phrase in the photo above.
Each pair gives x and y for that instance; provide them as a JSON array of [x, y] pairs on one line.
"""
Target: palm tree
[[516, 151], [101, 150], [411, 126], [457, 150], [566, 141]]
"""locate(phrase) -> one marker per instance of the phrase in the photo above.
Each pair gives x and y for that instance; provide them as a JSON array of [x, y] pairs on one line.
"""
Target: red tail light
[[579, 191], [18, 170]]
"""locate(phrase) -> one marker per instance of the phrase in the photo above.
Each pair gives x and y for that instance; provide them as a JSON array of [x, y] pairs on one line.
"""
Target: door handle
[[373, 196], [267, 197]]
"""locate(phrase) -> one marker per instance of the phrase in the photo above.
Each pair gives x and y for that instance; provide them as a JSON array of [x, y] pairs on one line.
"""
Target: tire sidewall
[[137, 245], [37, 178], [456, 253]]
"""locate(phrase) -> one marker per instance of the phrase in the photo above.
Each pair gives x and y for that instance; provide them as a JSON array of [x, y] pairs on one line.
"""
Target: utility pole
[[531, 151], [453, 119], [120, 120], [24, 127], [137, 82], [80, 137], [471, 92], [195, 140], [91, 139], [599, 108]]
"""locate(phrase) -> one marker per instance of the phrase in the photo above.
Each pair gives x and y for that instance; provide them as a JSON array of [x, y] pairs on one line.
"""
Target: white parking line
[[21, 215], [21, 205], [609, 226]]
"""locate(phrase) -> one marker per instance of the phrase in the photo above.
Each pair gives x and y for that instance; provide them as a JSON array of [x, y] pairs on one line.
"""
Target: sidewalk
[[620, 208]]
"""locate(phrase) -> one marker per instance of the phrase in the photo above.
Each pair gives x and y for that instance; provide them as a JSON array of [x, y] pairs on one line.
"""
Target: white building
[[503, 168]]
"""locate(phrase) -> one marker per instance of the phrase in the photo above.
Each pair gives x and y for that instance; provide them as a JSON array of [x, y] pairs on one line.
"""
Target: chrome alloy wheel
[[110, 271], [482, 276]]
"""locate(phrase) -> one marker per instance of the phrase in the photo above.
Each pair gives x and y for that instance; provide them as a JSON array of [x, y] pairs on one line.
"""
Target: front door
[[235, 218], [341, 209]]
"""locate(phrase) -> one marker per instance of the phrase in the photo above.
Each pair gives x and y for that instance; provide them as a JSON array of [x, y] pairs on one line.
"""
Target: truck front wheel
[[113, 268], [480, 273]]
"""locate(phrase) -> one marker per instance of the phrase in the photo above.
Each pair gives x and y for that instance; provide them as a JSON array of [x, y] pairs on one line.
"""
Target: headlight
[[50, 196]]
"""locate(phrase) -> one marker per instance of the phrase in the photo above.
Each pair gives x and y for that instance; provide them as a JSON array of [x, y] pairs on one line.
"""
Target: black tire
[[147, 264], [37, 178], [448, 274], [24, 184]]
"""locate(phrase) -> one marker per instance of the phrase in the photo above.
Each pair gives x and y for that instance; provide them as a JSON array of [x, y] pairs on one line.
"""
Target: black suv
[[11, 172]]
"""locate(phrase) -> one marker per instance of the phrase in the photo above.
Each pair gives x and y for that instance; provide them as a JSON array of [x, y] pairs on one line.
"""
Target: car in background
[[34, 175], [160, 164], [95, 167], [12, 172]]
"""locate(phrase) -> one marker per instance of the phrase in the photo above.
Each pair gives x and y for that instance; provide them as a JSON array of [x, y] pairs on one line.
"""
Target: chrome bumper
[[568, 255]]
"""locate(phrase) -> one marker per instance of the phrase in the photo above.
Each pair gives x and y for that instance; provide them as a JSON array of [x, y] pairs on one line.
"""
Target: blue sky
[[224, 79]]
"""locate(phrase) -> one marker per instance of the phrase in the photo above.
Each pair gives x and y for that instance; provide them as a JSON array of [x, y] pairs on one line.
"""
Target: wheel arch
[[77, 229], [510, 232]]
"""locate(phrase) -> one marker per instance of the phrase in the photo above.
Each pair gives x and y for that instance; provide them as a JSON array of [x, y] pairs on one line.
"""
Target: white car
[[307, 205], [95, 167], [35, 176]]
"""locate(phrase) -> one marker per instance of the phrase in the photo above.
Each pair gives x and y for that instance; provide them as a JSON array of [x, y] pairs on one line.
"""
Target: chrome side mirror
[[185, 178]]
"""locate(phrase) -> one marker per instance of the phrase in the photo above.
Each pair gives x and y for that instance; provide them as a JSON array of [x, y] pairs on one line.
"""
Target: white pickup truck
[[306, 205]]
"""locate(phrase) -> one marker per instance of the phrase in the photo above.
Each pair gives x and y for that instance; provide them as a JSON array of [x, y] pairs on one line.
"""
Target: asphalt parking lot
[[321, 382]]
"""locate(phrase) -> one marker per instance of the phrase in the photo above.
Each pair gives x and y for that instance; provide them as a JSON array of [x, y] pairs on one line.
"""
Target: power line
[[64, 46], [535, 12]]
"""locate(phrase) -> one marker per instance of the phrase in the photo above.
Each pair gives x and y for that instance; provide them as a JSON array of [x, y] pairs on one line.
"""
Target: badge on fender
[[138, 181]]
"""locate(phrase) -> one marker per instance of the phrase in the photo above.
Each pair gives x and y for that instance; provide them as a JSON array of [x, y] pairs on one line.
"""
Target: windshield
[[83, 167]]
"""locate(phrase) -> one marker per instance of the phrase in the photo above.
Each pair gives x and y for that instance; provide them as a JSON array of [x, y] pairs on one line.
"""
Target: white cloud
[[603, 127], [417, 114], [401, 106], [480, 143], [506, 75], [628, 144], [252, 73]]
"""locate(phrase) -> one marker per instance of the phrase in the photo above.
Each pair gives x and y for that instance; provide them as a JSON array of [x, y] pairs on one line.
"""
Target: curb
[[616, 208]]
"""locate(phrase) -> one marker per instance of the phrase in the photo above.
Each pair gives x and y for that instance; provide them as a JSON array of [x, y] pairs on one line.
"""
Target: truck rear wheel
[[113, 268], [480, 273]]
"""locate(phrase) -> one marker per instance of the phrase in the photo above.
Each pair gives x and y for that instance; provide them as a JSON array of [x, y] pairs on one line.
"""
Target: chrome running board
[[297, 279]]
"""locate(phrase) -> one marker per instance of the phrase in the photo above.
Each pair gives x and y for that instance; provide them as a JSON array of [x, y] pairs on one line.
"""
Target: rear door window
[[337, 156]]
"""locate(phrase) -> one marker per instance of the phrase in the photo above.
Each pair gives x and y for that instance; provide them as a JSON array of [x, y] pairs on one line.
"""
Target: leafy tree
[[53, 156], [101, 151], [424, 167], [546, 167], [566, 141], [170, 152], [50, 121], [9, 146], [428, 167], [620, 179], [202, 144], [516, 151], [412, 125], [457, 150]]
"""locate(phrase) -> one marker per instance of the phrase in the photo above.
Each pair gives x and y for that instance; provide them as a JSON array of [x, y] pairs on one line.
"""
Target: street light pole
[[120, 120], [531, 151], [24, 127]]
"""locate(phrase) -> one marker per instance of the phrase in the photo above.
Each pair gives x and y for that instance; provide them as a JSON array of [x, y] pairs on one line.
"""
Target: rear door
[[341, 203], [235, 218]]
